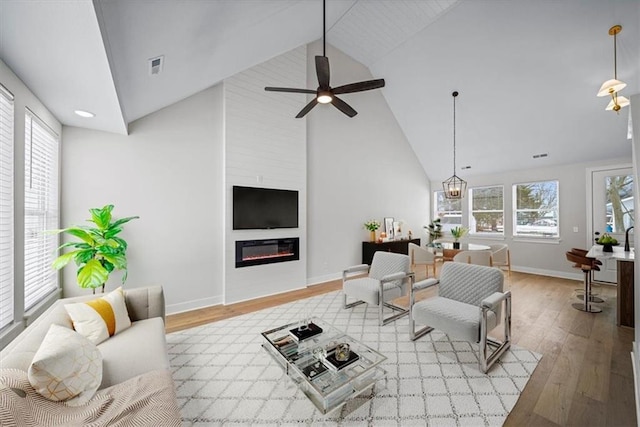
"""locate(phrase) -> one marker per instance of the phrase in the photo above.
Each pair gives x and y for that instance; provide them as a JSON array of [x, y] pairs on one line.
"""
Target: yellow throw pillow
[[100, 318], [66, 367]]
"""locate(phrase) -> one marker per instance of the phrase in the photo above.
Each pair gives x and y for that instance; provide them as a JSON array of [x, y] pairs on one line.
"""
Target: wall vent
[[155, 65], [538, 156]]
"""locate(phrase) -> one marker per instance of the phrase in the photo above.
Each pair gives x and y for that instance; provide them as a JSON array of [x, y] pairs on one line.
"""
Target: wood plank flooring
[[585, 377]]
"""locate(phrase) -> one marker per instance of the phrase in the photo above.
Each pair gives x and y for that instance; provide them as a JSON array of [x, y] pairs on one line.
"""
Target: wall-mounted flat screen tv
[[264, 208]]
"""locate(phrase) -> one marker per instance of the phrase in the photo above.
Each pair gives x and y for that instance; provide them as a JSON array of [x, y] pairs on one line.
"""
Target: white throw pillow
[[100, 318], [66, 367]]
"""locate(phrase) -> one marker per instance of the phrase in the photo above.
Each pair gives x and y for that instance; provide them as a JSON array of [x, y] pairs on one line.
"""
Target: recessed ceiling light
[[83, 113]]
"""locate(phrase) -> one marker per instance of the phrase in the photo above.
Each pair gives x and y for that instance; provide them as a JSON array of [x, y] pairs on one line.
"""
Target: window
[[448, 210], [40, 210], [6, 207], [535, 209], [486, 205]]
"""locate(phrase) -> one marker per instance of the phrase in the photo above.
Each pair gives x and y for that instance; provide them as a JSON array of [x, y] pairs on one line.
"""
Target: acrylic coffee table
[[312, 365]]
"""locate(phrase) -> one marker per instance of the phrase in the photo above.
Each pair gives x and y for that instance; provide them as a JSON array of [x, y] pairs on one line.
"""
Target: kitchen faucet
[[626, 239]]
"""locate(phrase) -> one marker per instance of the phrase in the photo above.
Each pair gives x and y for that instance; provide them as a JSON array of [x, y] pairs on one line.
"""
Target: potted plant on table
[[457, 233], [99, 252], [372, 225], [435, 231]]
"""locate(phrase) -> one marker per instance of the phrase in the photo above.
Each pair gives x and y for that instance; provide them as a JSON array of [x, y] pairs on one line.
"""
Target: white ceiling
[[527, 71]]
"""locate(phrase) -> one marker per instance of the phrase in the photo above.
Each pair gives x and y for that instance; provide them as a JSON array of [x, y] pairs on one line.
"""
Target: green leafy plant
[[372, 225], [99, 251], [458, 232], [607, 239], [434, 229]]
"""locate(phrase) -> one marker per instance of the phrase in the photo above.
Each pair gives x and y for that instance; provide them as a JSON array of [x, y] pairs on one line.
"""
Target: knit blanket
[[145, 400]]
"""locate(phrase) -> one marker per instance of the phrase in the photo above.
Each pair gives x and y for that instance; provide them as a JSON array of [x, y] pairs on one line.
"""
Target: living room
[[175, 168]]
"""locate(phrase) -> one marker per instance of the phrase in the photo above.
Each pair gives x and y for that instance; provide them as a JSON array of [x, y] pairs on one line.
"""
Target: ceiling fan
[[325, 94]]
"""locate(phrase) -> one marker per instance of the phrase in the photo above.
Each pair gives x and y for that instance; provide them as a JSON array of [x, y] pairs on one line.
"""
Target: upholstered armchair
[[421, 256], [501, 256], [389, 277], [468, 306], [474, 257]]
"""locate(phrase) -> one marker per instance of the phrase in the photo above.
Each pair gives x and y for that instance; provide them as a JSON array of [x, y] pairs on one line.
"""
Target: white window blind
[[40, 210], [6, 207]]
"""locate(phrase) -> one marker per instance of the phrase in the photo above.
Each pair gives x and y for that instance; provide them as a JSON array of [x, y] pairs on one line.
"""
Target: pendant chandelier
[[613, 86], [454, 187]]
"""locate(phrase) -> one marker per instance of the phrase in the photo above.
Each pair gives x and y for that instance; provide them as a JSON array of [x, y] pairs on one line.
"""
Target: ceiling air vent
[[538, 156], [155, 65]]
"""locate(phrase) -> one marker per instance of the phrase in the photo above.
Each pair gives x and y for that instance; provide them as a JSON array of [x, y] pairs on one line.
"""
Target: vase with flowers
[[457, 233], [372, 225]]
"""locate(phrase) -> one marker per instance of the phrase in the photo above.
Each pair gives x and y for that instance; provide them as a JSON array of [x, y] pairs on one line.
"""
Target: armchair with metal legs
[[387, 279]]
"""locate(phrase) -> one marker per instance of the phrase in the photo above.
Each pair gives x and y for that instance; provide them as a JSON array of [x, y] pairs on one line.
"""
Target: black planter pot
[[607, 248], [456, 245]]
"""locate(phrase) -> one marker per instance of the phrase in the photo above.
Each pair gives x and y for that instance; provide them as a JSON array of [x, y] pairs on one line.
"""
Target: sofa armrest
[[145, 303]]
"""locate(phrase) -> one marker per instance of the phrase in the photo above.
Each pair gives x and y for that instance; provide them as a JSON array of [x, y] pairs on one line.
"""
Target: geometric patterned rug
[[224, 377]]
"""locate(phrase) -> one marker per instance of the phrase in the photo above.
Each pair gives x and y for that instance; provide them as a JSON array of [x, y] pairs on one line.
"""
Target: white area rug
[[224, 377]]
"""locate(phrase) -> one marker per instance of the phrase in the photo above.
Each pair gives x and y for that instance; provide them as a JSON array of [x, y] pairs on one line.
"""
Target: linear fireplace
[[268, 251]]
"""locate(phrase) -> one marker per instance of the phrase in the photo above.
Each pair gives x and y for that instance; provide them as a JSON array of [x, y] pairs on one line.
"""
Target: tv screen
[[264, 208]]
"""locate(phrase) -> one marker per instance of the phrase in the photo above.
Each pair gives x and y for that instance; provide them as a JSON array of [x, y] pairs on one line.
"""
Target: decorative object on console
[[397, 229], [388, 227], [454, 187], [325, 94], [100, 251], [372, 225], [613, 86]]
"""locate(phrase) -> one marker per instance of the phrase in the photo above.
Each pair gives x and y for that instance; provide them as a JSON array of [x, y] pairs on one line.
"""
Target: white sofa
[[140, 349]]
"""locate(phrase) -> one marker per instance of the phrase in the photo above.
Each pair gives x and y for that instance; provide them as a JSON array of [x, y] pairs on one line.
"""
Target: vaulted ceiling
[[527, 71]]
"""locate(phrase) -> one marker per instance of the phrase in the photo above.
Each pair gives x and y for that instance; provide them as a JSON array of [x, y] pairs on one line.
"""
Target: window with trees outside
[[486, 205], [619, 208], [536, 209], [448, 210]]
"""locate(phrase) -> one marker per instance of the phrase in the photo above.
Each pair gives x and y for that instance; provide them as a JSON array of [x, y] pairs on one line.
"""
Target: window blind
[[40, 210], [6, 207]]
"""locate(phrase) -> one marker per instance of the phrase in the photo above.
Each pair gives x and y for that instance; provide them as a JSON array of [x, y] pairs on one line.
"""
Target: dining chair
[[501, 256], [474, 257], [421, 256]]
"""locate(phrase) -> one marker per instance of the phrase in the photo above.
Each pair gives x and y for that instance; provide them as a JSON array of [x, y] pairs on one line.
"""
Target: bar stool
[[587, 265], [583, 253]]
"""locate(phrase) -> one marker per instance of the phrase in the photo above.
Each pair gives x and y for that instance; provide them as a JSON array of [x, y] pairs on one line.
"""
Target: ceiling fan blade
[[307, 108], [287, 89], [322, 70], [343, 106], [359, 87]]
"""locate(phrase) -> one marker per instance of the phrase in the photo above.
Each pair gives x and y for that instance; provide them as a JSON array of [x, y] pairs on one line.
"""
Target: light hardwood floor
[[585, 377]]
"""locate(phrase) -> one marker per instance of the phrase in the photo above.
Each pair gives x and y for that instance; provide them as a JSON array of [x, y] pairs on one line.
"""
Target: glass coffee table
[[310, 359]]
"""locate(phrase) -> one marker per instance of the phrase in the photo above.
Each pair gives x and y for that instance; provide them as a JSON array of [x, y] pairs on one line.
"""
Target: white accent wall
[[169, 171], [265, 146]]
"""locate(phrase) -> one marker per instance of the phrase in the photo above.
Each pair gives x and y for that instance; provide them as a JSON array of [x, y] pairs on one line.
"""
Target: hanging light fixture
[[454, 187], [613, 86]]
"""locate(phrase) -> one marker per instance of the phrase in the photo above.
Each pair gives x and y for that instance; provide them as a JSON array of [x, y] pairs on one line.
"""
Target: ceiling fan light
[[611, 86], [324, 97]]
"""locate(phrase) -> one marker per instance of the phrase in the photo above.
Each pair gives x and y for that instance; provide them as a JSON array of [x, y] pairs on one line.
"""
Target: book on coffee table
[[303, 334]]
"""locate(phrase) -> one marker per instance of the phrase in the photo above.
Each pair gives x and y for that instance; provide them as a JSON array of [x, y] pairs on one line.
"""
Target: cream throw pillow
[[67, 366], [100, 318]]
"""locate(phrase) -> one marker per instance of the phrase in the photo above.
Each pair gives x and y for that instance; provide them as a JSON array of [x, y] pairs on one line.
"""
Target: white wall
[[265, 146], [23, 98], [169, 171], [543, 257], [359, 168]]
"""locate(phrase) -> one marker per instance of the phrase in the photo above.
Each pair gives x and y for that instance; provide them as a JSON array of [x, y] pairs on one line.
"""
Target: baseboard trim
[[551, 273], [193, 305], [322, 279]]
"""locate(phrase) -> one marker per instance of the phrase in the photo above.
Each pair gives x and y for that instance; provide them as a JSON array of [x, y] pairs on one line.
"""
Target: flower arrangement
[[372, 225], [458, 232]]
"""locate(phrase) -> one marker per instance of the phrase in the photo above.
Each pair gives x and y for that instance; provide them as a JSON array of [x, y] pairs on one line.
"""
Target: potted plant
[[457, 233], [372, 225], [99, 251], [435, 231]]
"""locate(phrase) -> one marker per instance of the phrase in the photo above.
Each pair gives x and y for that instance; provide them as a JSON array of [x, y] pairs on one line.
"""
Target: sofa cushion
[[139, 349], [66, 367], [100, 318]]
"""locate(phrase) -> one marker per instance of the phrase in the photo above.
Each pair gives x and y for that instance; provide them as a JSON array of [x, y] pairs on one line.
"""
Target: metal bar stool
[[587, 265], [593, 296]]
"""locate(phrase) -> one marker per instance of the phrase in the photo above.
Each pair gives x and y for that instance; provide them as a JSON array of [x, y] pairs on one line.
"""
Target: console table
[[396, 246]]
